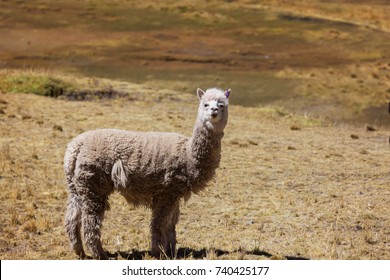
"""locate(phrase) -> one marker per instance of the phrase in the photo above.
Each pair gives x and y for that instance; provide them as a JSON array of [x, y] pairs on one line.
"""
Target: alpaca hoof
[[82, 256], [156, 254], [103, 257]]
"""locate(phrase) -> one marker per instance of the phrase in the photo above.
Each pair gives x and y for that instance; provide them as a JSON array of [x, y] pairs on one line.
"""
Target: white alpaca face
[[213, 107], [213, 110]]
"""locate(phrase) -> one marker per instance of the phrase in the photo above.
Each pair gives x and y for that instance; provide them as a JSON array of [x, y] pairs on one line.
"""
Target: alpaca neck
[[205, 145]]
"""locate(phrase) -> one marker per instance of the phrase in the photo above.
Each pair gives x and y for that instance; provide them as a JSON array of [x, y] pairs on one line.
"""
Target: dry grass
[[358, 87], [363, 12], [329, 48], [309, 192]]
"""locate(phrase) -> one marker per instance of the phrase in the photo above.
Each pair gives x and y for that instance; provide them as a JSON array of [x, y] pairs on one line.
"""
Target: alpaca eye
[[221, 105], [206, 105]]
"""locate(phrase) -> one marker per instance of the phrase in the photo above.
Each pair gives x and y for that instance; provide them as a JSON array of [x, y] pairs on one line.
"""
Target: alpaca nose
[[214, 111]]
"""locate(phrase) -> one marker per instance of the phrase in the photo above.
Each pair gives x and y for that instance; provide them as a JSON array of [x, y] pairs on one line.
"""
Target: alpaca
[[154, 169]]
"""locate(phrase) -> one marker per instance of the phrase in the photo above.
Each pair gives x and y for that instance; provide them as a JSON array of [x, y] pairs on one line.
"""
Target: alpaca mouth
[[214, 117]]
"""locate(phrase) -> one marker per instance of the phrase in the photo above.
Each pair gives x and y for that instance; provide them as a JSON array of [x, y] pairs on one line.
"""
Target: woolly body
[[155, 169]]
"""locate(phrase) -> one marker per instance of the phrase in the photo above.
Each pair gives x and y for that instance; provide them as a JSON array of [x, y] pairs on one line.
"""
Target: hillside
[[319, 58]]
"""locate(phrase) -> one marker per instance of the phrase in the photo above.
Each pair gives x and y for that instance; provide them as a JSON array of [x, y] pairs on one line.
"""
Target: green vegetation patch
[[39, 84], [56, 85]]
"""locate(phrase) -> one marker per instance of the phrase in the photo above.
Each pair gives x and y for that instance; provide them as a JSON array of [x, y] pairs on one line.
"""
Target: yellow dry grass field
[[288, 187], [367, 13]]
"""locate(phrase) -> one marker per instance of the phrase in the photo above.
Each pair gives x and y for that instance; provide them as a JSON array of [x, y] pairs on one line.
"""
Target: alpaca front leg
[[157, 241], [170, 245], [165, 215]]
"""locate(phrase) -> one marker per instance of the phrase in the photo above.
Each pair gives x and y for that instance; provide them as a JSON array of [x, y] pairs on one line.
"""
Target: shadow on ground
[[183, 253]]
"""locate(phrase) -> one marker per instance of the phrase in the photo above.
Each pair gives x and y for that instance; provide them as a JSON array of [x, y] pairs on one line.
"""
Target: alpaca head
[[213, 108]]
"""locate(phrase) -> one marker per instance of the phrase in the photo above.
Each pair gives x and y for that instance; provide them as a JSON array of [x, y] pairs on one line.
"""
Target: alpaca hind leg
[[73, 225], [93, 216]]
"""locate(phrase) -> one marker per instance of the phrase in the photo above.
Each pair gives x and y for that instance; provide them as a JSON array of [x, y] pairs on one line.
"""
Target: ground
[[291, 188]]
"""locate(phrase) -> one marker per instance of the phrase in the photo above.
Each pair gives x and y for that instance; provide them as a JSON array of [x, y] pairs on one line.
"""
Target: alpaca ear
[[200, 93], [227, 92]]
